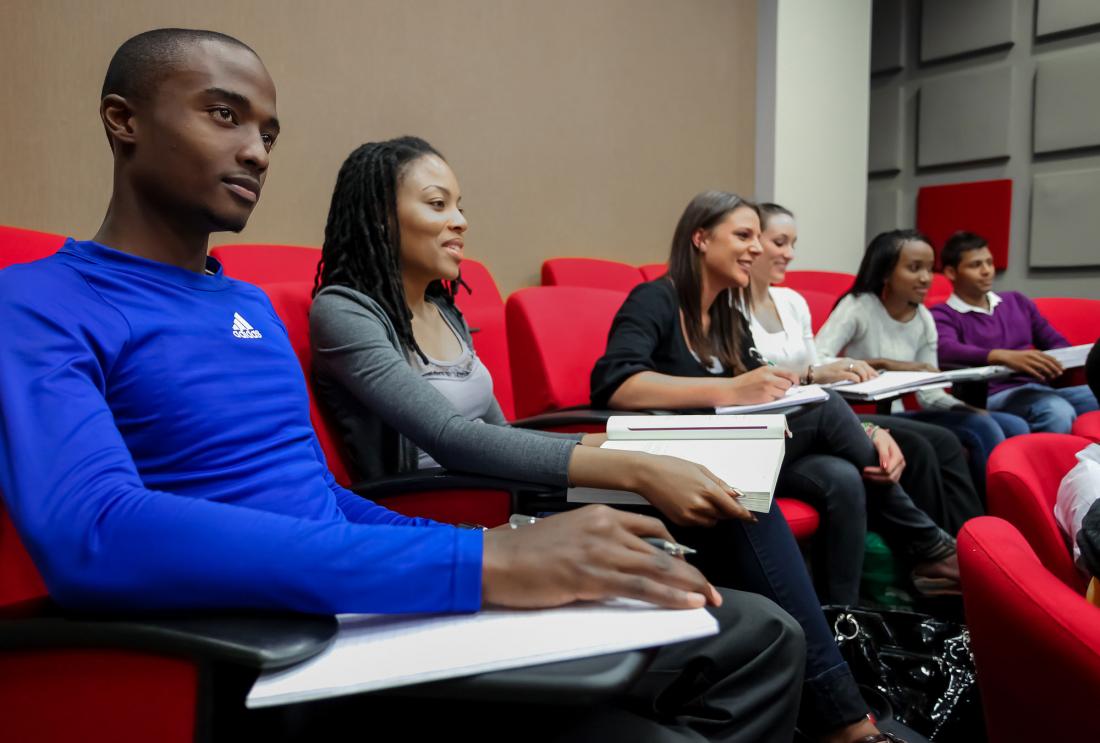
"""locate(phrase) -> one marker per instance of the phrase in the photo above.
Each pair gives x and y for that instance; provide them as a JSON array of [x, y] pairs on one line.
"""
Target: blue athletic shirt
[[156, 453]]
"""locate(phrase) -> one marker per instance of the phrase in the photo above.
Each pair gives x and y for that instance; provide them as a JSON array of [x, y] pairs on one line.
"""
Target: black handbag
[[920, 664]]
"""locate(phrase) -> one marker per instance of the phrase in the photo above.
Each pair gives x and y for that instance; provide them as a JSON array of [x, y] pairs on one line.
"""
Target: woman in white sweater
[[930, 462], [882, 319]]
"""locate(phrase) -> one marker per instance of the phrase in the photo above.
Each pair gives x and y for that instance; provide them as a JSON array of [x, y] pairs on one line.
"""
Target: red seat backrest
[[24, 246], [652, 271], [292, 301], [268, 264], [1036, 642], [1088, 426], [483, 309], [555, 335], [939, 291], [826, 282], [821, 305], [21, 586], [1077, 319], [591, 272], [1024, 474]]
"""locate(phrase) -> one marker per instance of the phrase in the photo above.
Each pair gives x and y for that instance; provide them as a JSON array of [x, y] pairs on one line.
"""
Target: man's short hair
[[144, 60], [957, 244]]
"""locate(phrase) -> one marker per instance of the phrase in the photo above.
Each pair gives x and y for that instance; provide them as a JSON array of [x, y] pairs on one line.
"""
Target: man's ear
[[950, 273], [118, 119]]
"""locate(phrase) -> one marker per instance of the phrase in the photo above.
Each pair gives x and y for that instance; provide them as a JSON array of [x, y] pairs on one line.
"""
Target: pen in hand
[[676, 550]]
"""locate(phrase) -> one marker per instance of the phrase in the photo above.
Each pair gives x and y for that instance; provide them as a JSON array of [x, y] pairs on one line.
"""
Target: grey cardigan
[[384, 409]]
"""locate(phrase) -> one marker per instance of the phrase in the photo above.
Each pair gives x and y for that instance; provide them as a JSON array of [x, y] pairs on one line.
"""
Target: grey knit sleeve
[[352, 347]]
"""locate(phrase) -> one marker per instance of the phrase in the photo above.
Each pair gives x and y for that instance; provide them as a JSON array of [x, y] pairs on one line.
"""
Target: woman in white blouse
[[933, 467]]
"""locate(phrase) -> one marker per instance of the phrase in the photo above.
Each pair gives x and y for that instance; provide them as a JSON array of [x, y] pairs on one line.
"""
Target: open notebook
[[745, 451], [379, 651]]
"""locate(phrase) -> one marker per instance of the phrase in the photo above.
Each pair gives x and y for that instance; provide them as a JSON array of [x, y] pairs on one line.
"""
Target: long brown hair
[[685, 270]]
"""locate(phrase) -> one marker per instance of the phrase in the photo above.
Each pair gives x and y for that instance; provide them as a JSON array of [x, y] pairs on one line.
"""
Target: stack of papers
[[892, 384], [1072, 356], [379, 651], [800, 394]]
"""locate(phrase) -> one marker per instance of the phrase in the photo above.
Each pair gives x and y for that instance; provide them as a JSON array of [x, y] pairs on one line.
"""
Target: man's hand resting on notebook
[[589, 554]]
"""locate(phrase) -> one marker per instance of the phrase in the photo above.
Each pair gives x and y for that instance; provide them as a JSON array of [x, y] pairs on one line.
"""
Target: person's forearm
[[649, 390], [592, 467]]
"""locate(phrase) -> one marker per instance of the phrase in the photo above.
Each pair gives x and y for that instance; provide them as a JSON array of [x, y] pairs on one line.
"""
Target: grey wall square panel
[[1057, 16], [887, 36], [883, 210], [1067, 100], [885, 131], [965, 117], [1065, 223], [953, 27]]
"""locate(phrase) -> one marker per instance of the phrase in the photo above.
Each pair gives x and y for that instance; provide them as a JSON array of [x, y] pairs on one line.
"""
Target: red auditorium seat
[[821, 305], [652, 271], [268, 264], [23, 246], [1087, 426], [483, 308], [1036, 641], [1024, 474], [984, 207], [939, 291], [1077, 319], [825, 282], [594, 273]]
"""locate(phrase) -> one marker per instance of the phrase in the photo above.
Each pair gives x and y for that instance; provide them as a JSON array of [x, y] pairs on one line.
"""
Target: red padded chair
[[447, 503], [268, 264], [827, 282], [821, 305], [483, 308], [554, 352], [939, 291], [1087, 426], [555, 336], [1077, 319], [1036, 641], [652, 271], [23, 246], [1022, 485], [594, 273]]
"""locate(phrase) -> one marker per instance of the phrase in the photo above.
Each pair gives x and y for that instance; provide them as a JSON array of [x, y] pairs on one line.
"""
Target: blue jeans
[[1051, 409], [979, 433]]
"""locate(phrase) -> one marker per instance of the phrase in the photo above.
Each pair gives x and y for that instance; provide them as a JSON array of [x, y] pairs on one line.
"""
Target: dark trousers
[[824, 467], [741, 685], [937, 474]]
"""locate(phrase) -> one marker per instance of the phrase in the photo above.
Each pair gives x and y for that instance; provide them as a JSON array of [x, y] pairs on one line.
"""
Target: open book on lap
[[745, 451]]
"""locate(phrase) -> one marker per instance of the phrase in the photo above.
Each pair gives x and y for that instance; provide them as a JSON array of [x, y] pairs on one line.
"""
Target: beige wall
[[576, 127]]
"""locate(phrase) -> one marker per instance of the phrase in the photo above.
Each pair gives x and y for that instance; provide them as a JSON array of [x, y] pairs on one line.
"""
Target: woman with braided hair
[[394, 362]]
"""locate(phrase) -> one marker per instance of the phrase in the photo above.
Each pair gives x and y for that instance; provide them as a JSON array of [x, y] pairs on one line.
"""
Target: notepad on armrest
[[379, 651], [1072, 356], [745, 451], [799, 394]]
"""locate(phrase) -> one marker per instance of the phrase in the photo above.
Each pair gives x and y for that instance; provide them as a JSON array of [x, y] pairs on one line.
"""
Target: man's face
[[974, 274], [203, 139]]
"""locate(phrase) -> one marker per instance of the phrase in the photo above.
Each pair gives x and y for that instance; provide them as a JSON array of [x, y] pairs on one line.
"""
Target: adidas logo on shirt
[[241, 328]]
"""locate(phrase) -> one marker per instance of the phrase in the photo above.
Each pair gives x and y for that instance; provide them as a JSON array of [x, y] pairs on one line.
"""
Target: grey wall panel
[[965, 117], [952, 27], [884, 151], [1067, 101], [883, 210], [1056, 16], [1065, 223], [887, 36]]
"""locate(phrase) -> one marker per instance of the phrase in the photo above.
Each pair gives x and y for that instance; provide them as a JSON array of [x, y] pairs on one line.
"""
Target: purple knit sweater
[[966, 338]]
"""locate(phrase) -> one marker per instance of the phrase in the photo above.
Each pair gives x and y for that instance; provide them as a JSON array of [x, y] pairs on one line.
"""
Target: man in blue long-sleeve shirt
[[155, 443]]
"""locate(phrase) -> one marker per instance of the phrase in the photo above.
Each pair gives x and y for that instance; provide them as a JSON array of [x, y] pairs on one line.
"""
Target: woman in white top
[[931, 465], [882, 319]]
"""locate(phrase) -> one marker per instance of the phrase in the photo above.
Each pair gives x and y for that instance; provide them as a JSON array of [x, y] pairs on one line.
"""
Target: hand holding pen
[[672, 548]]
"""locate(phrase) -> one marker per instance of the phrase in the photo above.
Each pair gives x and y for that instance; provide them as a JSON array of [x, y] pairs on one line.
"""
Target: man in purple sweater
[[978, 326]]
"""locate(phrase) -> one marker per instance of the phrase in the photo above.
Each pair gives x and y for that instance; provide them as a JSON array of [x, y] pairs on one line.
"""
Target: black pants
[[824, 467], [936, 475], [742, 684]]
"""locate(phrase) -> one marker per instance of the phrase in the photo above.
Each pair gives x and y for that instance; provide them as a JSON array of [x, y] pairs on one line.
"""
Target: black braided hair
[[362, 247]]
